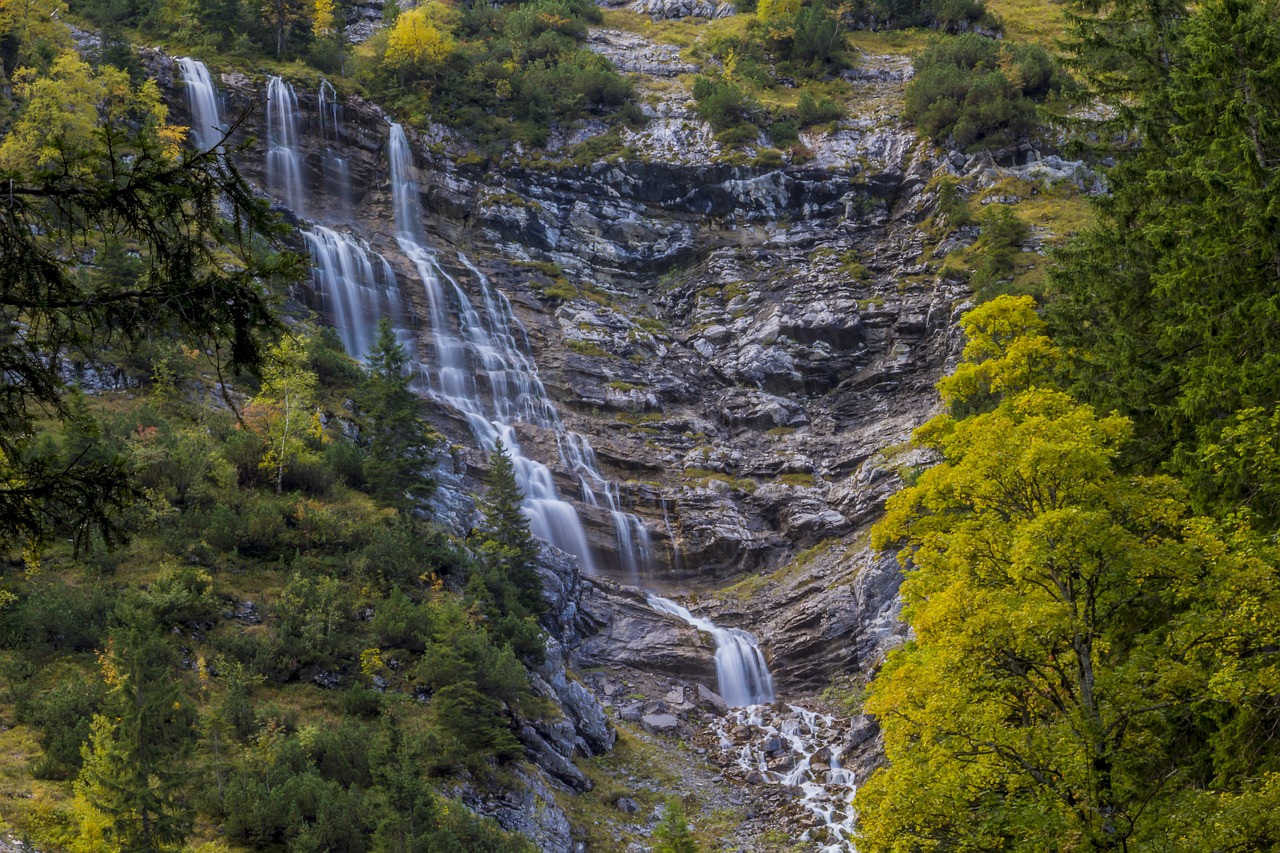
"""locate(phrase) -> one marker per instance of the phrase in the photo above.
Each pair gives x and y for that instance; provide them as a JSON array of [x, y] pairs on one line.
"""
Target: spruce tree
[[672, 834], [131, 786], [506, 542], [401, 443], [1169, 306], [506, 581], [92, 168]]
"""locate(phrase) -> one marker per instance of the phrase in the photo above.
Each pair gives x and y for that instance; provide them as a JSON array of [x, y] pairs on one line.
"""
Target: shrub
[[56, 617], [722, 103], [810, 112], [183, 595], [61, 718], [997, 249], [961, 92]]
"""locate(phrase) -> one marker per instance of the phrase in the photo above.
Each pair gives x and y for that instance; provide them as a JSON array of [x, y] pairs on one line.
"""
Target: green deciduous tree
[[1089, 661], [284, 411]]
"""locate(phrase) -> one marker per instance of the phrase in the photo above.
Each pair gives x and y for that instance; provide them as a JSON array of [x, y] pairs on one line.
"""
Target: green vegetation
[[672, 834], [1171, 300], [497, 72], [587, 348], [973, 91], [800, 43], [500, 72], [1092, 567], [94, 169], [946, 15], [184, 566]]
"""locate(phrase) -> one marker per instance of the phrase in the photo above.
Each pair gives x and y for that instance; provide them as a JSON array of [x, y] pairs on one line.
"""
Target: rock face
[[748, 349]]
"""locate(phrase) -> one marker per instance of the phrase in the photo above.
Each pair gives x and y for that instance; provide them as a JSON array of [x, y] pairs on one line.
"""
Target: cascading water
[[480, 368], [337, 175], [629, 531], [284, 161], [357, 288], [801, 750], [741, 671], [206, 121], [483, 370]]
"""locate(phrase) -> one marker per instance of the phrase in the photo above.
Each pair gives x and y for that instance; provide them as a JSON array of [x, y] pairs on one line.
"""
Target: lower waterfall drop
[[741, 671]]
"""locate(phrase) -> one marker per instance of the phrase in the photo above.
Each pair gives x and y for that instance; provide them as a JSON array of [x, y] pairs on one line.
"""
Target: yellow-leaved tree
[[322, 17], [283, 412], [770, 11], [421, 39], [1088, 665], [64, 111]]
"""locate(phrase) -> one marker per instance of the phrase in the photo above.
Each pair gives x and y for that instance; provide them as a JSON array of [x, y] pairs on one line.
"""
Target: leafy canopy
[[1086, 660]]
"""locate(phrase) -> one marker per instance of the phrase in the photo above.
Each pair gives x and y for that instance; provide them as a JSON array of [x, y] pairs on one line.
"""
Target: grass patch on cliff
[[635, 768], [891, 42], [1031, 21], [701, 478]]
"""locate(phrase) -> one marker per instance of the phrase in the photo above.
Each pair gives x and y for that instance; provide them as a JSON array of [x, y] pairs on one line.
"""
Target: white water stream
[[202, 97], [337, 174], [800, 749], [741, 670], [284, 158]]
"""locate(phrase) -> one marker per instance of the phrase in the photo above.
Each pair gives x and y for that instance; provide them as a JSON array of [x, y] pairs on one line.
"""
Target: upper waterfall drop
[[481, 368], [357, 288], [284, 159], [404, 186], [741, 670], [206, 118]]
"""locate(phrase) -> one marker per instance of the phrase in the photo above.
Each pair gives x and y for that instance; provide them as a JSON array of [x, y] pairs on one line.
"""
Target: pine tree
[[402, 444], [506, 543], [672, 834], [131, 787], [1169, 307]]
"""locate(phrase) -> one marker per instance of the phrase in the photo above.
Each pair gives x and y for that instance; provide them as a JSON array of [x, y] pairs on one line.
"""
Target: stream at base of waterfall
[[480, 366]]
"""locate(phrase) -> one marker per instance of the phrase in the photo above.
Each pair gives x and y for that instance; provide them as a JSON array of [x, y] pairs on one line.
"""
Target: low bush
[[971, 91]]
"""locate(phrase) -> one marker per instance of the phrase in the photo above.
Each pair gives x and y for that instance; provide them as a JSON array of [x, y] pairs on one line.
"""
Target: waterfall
[[337, 175], [629, 531], [284, 161], [741, 671], [481, 368], [357, 287], [206, 122]]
